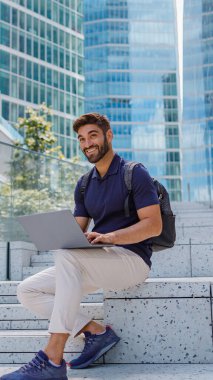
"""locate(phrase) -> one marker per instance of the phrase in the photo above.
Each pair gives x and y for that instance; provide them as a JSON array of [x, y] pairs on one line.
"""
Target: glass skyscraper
[[41, 60], [198, 100], [131, 75]]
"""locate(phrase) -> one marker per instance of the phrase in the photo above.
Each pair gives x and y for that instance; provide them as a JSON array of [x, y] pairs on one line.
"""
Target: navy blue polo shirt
[[104, 199]]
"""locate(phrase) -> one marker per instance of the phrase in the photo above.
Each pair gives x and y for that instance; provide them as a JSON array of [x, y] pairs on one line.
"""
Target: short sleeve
[[143, 188], [80, 209]]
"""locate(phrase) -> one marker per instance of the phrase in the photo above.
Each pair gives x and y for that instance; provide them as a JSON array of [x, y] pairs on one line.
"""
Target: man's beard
[[100, 153]]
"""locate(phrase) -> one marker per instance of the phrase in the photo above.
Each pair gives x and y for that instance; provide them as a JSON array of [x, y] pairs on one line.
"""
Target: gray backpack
[[168, 235]]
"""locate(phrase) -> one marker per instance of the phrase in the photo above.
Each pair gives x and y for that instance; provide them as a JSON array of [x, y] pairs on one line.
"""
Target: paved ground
[[139, 372]]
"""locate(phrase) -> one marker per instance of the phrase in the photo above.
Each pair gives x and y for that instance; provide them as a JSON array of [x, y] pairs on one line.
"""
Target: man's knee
[[23, 292]]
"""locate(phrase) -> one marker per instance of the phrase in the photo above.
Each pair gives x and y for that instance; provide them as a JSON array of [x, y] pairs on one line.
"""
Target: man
[[56, 292]]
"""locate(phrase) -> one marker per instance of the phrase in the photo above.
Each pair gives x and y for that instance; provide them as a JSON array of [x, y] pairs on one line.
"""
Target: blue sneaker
[[95, 347], [38, 369]]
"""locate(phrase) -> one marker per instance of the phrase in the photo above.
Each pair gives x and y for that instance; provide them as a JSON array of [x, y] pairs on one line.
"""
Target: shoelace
[[35, 364], [88, 342]]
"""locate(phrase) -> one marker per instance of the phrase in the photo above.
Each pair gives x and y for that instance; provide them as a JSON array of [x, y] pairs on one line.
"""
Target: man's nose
[[87, 142]]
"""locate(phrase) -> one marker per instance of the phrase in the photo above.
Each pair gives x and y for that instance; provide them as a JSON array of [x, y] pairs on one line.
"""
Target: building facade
[[198, 100], [41, 60], [131, 75]]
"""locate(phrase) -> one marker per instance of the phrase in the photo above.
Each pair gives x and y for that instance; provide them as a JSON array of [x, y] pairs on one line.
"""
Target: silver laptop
[[55, 230]]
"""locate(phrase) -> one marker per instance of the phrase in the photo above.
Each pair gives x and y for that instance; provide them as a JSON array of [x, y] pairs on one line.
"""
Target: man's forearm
[[142, 230]]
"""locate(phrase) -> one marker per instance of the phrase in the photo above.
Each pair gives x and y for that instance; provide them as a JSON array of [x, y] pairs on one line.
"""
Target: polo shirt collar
[[113, 168]]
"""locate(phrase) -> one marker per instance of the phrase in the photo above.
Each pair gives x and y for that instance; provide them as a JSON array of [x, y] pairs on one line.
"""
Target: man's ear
[[109, 135]]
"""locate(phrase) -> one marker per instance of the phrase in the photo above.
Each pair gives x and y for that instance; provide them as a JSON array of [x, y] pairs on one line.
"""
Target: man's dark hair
[[92, 118]]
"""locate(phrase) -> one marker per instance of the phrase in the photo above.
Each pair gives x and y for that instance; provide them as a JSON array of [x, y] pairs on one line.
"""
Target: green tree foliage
[[38, 136]]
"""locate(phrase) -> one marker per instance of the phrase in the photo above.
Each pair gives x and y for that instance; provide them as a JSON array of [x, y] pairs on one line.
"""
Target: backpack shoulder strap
[[84, 182], [128, 170]]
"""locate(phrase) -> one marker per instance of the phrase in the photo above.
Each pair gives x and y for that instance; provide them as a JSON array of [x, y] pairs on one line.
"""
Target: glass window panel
[[14, 64], [61, 16], [67, 19], [49, 97], [49, 32], [55, 35], [61, 125], [14, 17], [67, 57], [14, 112], [49, 54], [29, 92], [67, 40], [21, 111], [74, 105], [73, 43], [22, 42], [21, 88], [68, 84], [29, 4], [74, 89], [62, 38], [42, 29], [35, 26], [55, 79], [5, 109], [49, 77], [14, 89], [14, 39], [35, 47], [35, 6], [5, 12], [68, 104], [61, 101], [21, 66], [62, 81], [29, 23], [68, 129], [55, 100], [55, 56], [42, 94], [61, 56], [42, 74], [42, 7], [5, 83], [42, 51], [29, 69], [35, 71], [55, 12], [35, 93], [29, 45], [22, 20], [74, 63], [5, 60], [5, 35], [49, 9], [81, 88]]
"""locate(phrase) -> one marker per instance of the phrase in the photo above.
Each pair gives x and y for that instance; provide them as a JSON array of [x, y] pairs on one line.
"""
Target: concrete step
[[29, 341], [136, 372], [8, 294], [16, 317], [162, 321], [183, 260]]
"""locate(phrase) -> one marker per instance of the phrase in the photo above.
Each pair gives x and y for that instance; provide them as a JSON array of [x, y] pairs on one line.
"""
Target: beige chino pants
[[55, 293]]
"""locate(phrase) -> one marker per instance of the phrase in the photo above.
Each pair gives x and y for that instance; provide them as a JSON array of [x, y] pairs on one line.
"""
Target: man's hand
[[95, 238]]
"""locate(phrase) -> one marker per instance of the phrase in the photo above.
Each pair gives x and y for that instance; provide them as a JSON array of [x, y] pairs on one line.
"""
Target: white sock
[[53, 364], [101, 333]]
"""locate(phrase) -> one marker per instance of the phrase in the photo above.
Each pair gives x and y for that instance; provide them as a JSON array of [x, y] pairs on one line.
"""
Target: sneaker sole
[[98, 356]]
